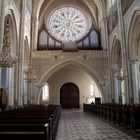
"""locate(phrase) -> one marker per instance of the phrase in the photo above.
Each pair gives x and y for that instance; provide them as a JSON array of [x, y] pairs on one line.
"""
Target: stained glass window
[[45, 93], [67, 24]]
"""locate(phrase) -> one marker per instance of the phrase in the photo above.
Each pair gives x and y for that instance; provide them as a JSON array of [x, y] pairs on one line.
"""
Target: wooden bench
[[37, 122]]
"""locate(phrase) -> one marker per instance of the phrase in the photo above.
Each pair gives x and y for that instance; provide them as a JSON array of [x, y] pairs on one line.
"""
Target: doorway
[[69, 96]]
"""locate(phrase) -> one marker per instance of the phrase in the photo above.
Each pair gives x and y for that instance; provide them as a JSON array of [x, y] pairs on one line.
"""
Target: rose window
[[67, 24]]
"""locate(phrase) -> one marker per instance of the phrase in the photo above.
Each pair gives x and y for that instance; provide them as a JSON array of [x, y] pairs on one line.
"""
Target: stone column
[[0, 7], [124, 50], [34, 27], [10, 73], [16, 85], [135, 66], [106, 48], [21, 50], [2, 17], [39, 88], [29, 92]]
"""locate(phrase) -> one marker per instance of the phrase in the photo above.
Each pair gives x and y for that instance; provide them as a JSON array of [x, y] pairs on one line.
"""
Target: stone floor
[[76, 125]]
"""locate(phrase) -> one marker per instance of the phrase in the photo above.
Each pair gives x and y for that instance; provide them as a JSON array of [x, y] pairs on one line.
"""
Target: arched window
[[43, 38], [94, 38], [95, 93], [92, 90], [68, 24], [45, 93]]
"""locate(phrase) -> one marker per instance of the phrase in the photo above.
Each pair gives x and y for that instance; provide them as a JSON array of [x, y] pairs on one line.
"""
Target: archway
[[118, 85], [69, 96], [134, 57], [71, 64], [8, 71]]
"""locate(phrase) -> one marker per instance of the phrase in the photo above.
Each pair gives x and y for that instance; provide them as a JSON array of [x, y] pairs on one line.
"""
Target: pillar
[[21, 50], [123, 48]]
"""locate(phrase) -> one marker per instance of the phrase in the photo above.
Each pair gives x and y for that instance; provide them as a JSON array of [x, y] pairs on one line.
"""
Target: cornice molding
[[56, 55]]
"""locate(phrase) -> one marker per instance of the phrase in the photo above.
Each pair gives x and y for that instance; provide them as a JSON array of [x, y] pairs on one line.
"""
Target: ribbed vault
[[94, 8]]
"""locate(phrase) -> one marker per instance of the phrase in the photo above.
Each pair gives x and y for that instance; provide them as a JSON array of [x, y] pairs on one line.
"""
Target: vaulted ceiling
[[94, 8]]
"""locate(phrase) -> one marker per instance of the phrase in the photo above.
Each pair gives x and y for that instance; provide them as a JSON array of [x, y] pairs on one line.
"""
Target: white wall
[[74, 75]]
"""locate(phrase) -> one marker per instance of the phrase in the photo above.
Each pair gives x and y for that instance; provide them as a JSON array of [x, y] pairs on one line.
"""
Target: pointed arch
[[12, 13], [76, 64], [115, 52], [133, 39], [116, 62], [134, 36]]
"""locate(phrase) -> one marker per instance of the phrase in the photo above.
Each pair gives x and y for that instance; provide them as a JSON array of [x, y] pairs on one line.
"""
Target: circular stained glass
[[67, 24]]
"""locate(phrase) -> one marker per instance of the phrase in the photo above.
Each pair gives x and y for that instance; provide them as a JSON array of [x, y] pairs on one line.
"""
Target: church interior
[[70, 69]]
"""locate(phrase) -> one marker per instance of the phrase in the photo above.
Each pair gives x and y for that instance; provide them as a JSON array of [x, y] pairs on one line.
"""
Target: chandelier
[[120, 75], [29, 73], [6, 59], [104, 81]]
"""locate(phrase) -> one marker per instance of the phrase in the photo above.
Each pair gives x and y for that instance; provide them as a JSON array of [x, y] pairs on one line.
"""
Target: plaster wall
[[76, 76]]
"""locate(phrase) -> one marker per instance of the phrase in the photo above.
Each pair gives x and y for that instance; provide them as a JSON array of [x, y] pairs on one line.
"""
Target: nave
[[74, 124]]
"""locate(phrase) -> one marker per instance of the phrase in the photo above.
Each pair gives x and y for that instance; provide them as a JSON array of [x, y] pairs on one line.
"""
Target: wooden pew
[[135, 118], [17, 122], [27, 131], [119, 114], [126, 116]]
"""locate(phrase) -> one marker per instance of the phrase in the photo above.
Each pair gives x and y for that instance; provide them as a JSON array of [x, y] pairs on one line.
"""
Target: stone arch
[[37, 5], [116, 62], [15, 17], [91, 5], [134, 36], [115, 53], [134, 56], [94, 9], [10, 28], [82, 66], [13, 32]]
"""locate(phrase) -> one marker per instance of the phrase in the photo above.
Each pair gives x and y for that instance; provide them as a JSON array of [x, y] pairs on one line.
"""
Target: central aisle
[[76, 125]]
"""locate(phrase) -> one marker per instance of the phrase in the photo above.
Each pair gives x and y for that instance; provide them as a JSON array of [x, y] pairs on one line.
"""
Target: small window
[[43, 38], [94, 38], [86, 41], [45, 93], [92, 90]]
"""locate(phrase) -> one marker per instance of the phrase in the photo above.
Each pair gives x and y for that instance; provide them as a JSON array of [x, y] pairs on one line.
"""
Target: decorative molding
[[74, 55]]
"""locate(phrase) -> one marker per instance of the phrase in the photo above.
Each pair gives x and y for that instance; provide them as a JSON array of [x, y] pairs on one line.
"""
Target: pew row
[[35, 122], [127, 116]]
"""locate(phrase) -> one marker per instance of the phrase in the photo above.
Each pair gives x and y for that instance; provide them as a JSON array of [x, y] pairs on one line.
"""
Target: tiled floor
[[76, 125]]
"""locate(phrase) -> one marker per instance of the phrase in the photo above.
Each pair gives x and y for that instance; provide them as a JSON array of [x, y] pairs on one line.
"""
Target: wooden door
[[69, 96]]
